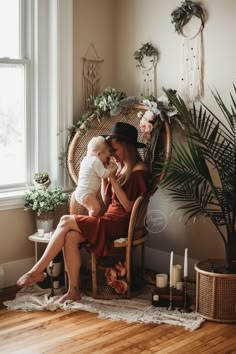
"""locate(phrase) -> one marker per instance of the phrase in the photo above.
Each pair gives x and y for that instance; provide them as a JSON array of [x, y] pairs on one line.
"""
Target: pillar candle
[[177, 274], [171, 268], [161, 280], [185, 263]]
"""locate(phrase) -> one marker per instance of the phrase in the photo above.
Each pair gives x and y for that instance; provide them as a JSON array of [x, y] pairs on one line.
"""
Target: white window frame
[[50, 87]]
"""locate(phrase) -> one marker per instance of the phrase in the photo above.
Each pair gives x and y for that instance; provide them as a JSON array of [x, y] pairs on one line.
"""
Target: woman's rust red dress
[[100, 232]]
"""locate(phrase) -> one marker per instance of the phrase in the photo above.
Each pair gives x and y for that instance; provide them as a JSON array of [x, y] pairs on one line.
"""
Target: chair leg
[[128, 271], [94, 274]]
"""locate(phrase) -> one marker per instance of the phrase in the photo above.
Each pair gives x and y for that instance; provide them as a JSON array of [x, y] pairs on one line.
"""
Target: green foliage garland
[[147, 50], [182, 14]]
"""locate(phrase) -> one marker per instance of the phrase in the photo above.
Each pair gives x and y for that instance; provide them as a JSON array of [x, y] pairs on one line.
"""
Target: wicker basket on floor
[[215, 292]]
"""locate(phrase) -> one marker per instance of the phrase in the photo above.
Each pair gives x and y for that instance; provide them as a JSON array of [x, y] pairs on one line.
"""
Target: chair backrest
[[160, 151]]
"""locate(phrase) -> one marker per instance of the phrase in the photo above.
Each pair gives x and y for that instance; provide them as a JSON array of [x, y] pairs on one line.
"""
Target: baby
[[92, 169]]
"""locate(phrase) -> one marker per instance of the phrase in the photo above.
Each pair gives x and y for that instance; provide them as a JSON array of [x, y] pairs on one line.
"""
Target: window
[[14, 94], [36, 93]]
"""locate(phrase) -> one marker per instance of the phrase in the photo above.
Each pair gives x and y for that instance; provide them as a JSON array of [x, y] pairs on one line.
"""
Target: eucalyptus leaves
[[147, 50], [182, 14], [108, 103]]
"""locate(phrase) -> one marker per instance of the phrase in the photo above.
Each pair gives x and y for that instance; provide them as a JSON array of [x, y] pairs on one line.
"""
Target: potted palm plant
[[202, 177]]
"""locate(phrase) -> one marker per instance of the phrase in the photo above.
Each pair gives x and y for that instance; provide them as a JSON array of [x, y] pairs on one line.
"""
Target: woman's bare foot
[[73, 295], [30, 279]]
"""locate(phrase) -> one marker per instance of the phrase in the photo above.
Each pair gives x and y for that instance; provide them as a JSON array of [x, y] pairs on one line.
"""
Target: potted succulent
[[44, 202], [41, 180], [202, 176]]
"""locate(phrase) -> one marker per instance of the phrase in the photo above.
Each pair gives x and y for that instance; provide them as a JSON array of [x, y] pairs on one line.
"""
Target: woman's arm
[[103, 189], [121, 195]]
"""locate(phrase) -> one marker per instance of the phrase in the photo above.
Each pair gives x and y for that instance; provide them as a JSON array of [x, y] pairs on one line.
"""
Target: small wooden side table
[[37, 239]]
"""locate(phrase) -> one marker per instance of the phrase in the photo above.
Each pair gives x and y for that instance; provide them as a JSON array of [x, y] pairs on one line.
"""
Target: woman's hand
[[112, 167]]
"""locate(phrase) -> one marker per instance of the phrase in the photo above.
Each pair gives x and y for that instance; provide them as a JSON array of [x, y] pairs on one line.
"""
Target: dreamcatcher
[[91, 74], [192, 61], [146, 58]]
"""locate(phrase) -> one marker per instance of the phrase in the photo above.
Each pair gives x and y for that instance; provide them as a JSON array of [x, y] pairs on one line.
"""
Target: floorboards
[[68, 332]]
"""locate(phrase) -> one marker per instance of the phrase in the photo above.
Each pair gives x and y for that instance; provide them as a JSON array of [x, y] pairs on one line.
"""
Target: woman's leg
[[57, 242], [73, 262]]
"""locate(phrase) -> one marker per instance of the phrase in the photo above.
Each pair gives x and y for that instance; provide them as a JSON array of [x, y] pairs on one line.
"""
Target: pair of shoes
[[30, 279]]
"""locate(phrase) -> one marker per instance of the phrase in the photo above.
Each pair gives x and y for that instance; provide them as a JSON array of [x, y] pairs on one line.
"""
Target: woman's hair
[[132, 157]]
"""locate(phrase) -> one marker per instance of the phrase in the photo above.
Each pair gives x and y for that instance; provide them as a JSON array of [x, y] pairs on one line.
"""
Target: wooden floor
[[82, 332]]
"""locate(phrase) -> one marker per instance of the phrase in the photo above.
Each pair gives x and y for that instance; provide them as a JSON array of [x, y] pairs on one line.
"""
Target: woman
[[125, 185]]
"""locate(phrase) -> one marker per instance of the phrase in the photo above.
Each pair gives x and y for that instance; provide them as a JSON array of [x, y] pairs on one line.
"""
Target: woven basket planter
[[215, 293]]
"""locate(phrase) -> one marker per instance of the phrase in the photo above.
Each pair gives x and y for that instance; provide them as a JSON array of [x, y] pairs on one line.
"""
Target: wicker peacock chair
[[123, 250]]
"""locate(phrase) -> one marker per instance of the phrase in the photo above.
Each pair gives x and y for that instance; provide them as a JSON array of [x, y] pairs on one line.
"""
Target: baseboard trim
[[13, 270]]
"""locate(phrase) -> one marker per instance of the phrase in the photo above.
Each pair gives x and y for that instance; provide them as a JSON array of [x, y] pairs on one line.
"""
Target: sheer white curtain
[[53, 84]]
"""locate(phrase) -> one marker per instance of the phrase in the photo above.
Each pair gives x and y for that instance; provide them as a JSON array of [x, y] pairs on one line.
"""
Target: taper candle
[[171, 269], [185, 262]]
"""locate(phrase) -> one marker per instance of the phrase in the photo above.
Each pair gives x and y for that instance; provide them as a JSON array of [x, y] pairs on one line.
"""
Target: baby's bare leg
[[91, 203]]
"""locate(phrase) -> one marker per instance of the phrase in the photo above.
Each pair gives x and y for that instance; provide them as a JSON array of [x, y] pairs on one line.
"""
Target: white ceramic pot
[[45, 221], [44, 185]]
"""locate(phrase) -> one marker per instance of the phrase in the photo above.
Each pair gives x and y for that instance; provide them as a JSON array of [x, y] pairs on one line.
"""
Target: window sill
[[12, 200]]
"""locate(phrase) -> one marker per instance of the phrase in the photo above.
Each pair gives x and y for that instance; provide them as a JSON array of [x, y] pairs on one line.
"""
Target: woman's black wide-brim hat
[[126, 132]]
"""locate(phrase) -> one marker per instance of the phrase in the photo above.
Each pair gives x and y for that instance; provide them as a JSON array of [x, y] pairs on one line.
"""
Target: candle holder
[[171, 307], [51, 279], [185, 308]]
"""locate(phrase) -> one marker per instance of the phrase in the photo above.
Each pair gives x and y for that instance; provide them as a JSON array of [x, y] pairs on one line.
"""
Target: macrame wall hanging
[[91, 74], [189, 24], [146, 58]]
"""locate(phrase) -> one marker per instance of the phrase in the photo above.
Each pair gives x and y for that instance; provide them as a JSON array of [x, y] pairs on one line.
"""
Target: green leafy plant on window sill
[[44, 200]]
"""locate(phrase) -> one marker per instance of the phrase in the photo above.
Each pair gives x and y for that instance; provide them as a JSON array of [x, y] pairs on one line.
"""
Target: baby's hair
[[96, 144]]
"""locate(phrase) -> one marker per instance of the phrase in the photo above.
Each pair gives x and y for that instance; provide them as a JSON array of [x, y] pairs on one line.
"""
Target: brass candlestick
[[51, 279], [185, 308]]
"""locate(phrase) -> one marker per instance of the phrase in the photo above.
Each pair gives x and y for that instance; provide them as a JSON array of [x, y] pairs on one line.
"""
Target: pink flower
[[149, 116], [111, 276], [145, 126], [120, 286], [148, 136]]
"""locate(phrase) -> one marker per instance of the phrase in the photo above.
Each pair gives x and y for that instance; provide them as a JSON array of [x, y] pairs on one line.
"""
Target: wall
[[139, 22], [93, 23]]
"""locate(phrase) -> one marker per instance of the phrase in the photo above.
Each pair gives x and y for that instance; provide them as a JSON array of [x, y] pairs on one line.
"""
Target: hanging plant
[[182, 14], [147, 50]]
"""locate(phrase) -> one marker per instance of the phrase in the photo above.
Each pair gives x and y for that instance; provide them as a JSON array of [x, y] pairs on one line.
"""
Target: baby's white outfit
[[90, 174]]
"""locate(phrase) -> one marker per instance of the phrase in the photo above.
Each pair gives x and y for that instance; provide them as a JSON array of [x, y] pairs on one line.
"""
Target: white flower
[[149, 116]]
